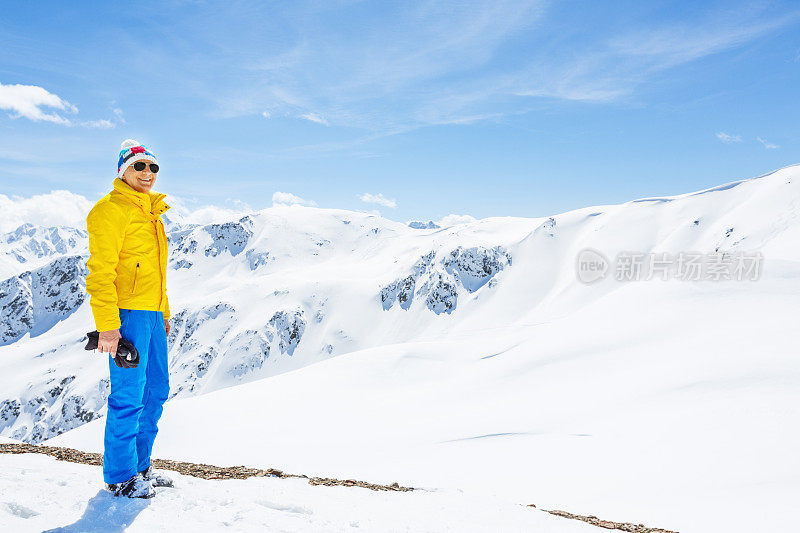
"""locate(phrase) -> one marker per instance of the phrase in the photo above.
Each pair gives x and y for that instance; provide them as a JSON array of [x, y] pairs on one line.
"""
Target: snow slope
[[470, 357]]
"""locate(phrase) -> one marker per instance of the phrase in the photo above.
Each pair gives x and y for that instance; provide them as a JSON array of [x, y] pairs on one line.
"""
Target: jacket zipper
[[135, 272]]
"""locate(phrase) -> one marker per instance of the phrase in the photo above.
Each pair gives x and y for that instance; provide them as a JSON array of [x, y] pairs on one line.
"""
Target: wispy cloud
[[768, 145], [728, 138], [680, 43], [28, 101], [102, 124], [287, 198], [119, 114], [612, 69], [383, 77], [442, 62], [379, 199], [314, 117]]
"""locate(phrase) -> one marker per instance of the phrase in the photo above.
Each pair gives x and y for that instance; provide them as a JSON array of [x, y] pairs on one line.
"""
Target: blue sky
[[417, 109]]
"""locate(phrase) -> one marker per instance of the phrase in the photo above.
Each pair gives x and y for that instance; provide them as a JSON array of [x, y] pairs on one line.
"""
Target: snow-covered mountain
[[31, 246], [469, 356]]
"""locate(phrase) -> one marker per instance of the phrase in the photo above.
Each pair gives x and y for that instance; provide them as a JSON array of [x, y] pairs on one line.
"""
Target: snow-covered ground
[[468, 359], [39, 493]]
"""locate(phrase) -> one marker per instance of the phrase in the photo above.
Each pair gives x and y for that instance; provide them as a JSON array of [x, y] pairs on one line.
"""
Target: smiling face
[[141, 181]]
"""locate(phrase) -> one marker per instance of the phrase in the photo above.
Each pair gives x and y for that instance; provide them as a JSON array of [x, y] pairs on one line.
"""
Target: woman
[[128, 297]]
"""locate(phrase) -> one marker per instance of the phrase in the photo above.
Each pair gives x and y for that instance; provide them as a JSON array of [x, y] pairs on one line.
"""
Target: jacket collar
[[152, 202]]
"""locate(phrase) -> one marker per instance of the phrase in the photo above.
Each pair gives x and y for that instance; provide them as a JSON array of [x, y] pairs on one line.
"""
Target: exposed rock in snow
[[184, 324], [549, 227], [9, 411], [190, 370], [401, 290], [29, 242], [417, 224], [183, 263], [257, 259], [231, 236], [192, 354], [51, 407], [442, 294], [182, 243], [289, 327], [470, 268], [474, 267], [423, 263], [35, 300], [247, 351]]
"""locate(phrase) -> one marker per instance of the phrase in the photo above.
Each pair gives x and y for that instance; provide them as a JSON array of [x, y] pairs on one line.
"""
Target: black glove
[[126, 357]]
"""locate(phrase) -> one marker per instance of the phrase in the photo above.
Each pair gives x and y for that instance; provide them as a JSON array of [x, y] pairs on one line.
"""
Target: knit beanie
[[131, 152]]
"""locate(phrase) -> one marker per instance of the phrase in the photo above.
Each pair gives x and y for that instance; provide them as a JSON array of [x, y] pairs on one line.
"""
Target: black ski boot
[[156, 479], [135, 487]]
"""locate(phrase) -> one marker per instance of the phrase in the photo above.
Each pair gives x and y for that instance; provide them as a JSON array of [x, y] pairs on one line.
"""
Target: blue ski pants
[[137, 396]]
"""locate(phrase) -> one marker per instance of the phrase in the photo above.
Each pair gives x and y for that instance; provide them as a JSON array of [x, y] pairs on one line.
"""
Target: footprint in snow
[[18, 510], [288, 508]]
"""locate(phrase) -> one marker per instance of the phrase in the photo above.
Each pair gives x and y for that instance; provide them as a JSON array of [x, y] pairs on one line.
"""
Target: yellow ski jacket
[[128, 247]]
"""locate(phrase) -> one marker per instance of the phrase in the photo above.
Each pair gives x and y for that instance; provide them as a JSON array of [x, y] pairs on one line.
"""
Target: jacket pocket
[[135, 276]]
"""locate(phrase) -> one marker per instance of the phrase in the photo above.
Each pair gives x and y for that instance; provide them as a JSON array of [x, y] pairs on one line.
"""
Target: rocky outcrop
[[189, 372], [401, 290], [438, 282], [548, 227], [230, 236], [257, 259], [192, 356], [9, 412], [203, 350], [249, 350], [51, 407], [442, 295], [289, 327], [417, 224], [36, 300], [215, 238], [472, 268]]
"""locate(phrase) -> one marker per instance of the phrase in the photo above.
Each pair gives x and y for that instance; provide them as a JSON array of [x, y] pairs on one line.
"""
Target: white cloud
[[102, 124], [287, 198], [728, 138], [187, 211], [28, 100], [768, 145], [56, 208], [453, 219], [379, 199], [119, 114], [266, 114], [314, 117]]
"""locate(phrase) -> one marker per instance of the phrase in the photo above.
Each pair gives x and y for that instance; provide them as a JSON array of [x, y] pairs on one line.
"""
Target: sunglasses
[[139, 166]]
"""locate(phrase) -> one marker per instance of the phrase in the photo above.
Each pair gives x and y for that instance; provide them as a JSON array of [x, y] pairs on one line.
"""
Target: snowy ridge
[[30, 246]]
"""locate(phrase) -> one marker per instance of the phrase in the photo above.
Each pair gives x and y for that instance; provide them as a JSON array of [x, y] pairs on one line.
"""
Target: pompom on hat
[[132, 152]]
